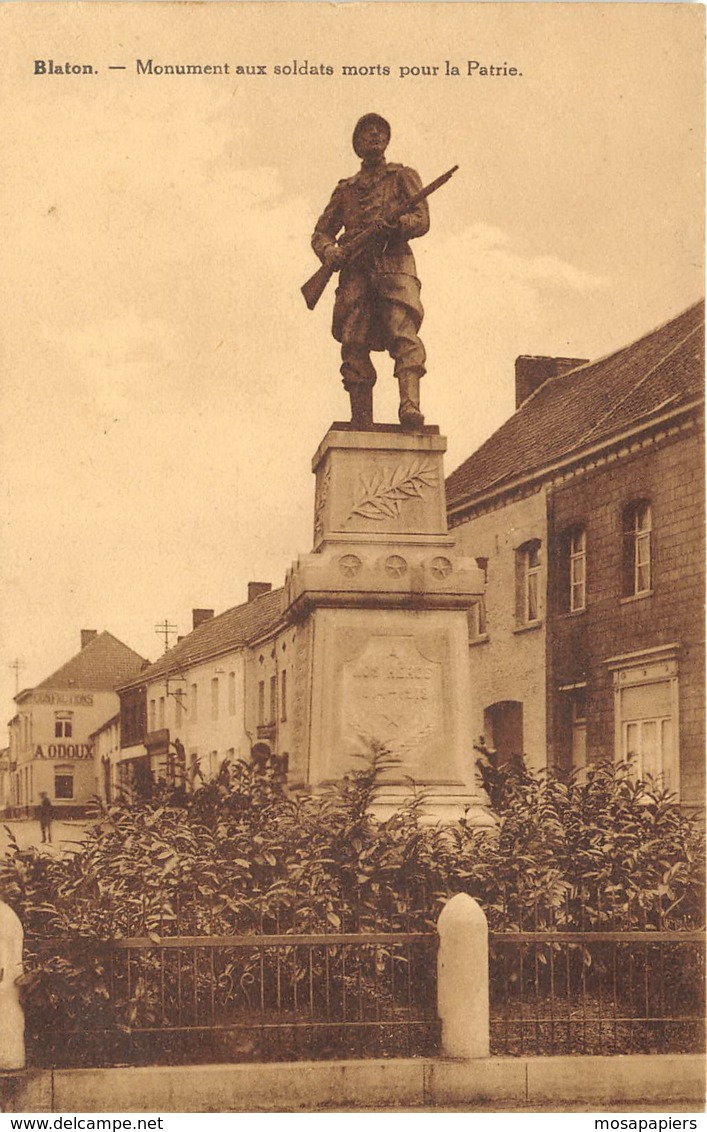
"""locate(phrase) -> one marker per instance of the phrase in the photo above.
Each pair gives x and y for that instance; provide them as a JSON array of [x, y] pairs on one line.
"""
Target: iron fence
[[217, 998], [598, 992], [180, 984]]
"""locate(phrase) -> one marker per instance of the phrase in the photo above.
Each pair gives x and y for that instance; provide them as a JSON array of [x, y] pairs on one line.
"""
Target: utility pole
[[164, 629], [17, 665]]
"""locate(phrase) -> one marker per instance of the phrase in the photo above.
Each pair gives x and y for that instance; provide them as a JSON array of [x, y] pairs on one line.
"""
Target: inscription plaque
[[393, 695]]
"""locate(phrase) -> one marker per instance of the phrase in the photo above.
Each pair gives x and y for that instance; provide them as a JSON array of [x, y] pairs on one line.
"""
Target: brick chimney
[[198, 616], [257, 589], [533, 371], [87, 635]]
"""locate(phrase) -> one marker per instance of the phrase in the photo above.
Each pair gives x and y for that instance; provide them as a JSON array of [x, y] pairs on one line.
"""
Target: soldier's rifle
[[314, 287]]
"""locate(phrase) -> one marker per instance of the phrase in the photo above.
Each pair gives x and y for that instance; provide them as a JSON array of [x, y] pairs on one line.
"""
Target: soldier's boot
[[361, 405], [409, 412]]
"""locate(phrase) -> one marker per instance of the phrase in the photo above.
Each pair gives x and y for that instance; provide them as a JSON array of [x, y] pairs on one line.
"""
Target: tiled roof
[[232, 629], [589, 406], [103, 664]]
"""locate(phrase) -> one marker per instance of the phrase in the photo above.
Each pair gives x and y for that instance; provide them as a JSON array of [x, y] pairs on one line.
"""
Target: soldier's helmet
[[366, 121]]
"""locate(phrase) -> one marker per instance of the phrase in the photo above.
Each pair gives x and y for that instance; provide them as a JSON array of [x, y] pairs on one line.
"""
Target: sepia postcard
[[352, 580]]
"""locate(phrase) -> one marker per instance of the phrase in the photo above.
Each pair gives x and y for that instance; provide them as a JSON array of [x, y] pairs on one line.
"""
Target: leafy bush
[[596, 851], [241, 855]]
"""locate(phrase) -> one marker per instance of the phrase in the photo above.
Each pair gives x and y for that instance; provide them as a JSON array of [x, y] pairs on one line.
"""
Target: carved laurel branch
[[321, 504], [400, 745], [383, 493]]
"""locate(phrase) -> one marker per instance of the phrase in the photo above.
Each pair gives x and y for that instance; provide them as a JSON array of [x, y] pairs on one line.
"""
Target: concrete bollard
[[463, 978], [12, 1019]]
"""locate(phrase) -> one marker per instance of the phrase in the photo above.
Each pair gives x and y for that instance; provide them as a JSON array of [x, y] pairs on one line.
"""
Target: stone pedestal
[[382, 603]]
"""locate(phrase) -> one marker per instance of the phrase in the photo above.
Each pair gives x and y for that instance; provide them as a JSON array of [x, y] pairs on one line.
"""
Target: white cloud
[[490, 251]]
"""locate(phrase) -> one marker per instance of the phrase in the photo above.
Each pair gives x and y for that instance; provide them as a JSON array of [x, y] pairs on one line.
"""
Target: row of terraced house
[[585, 511]]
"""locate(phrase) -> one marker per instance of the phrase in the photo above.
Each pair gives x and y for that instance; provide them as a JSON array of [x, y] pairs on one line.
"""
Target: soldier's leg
[[357, 369], [408, 351]]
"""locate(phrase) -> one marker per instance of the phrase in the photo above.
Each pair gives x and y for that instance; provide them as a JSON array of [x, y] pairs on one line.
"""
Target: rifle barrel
[[314, 287]]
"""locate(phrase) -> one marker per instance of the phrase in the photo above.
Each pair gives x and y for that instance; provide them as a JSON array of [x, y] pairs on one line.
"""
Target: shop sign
[[64, 751], [63, 699]]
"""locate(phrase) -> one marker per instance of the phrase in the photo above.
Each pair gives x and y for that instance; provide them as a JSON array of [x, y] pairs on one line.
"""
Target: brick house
[[586, 511]]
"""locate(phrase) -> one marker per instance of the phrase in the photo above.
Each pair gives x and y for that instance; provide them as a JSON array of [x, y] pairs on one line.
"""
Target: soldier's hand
[[334, 257]]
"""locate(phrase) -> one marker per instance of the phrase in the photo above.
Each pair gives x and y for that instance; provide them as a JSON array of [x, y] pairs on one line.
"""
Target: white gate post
[[463, 978], [12, 1018]]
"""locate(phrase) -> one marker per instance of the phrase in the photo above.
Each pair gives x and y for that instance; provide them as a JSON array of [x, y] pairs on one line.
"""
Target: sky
[[164, 385]]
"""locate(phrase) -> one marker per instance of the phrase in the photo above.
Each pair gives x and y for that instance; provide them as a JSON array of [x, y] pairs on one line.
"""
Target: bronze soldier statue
[[377, 305]]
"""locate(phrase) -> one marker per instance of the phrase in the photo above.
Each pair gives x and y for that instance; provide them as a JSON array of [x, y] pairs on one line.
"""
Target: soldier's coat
[[389, 268]]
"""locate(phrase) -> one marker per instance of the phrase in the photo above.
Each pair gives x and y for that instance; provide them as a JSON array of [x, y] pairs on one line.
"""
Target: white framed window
[[231, 693], [648, 744], [63, 725], [577, 569], [646, 713], [194, 702], [477, 613], [528, 578], [152, 716], [214, 697], [573, 714], [160, 713], [638, 549], [477, 620], [579, 729], [283, 695]]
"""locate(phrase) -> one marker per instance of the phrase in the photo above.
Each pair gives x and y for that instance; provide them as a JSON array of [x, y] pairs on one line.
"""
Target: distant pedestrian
[[46, 813]]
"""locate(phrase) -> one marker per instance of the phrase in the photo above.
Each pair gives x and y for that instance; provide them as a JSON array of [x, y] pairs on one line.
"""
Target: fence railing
[[268, 997], [461, 991], [597, 992]]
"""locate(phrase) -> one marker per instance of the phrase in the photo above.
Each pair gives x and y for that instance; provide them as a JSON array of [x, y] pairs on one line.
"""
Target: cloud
[[489, 251], [115, 361]]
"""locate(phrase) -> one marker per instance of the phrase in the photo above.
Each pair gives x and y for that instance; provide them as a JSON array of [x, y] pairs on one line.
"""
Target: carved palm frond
[[383, 493], [322, 496]]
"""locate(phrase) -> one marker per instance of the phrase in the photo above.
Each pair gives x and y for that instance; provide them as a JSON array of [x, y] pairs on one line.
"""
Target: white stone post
[[463, 978], [12, 1019]]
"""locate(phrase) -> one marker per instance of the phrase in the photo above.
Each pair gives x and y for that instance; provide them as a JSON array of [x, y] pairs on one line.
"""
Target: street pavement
[[64, 834]]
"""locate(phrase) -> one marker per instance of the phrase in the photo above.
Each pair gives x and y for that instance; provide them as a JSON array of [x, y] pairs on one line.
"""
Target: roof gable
[[101, 665], [588, 406]]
